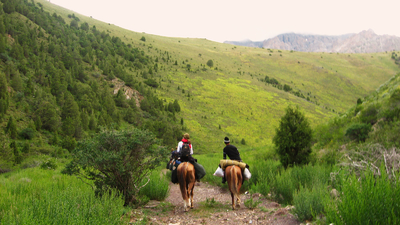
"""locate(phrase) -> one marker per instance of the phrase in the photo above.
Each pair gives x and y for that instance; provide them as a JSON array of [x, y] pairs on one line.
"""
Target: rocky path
[[212, 205]]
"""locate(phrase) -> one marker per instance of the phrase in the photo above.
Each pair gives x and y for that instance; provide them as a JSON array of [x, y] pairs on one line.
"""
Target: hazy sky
[[257, 20]]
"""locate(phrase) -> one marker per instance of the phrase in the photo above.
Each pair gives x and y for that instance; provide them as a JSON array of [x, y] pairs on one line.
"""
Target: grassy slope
[[242, 105]]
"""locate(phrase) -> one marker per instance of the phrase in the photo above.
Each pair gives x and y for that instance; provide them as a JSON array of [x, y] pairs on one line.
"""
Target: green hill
[[242, 95]]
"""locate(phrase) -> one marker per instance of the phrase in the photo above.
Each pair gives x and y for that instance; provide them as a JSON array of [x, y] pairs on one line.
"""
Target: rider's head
[[226, 140], [186, 136]]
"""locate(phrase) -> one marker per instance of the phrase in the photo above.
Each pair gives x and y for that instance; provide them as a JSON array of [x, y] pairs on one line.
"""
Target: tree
[[3, 95], [74, 24], [117, 160], [210, 63], [16, 82], [17, 153], [287, 88], [11, 128], [293, 138], [143, 38]]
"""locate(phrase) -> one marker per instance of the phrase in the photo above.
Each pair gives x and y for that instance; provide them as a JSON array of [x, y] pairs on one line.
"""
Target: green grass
[[37, 196]]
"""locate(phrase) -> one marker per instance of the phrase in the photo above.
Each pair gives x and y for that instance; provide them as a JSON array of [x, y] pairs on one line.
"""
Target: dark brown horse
[[234, 178], [186, 178]]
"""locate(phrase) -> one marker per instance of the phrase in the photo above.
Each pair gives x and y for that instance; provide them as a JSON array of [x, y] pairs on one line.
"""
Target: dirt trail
[[217, 212]]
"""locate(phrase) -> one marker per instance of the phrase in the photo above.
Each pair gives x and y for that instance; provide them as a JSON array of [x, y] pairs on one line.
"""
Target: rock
[[334, 193]]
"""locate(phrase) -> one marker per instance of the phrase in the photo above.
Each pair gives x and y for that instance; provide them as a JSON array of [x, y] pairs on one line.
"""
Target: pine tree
[[17, 153], [11, 128], [3, 95], [16, 82], [293, 138]]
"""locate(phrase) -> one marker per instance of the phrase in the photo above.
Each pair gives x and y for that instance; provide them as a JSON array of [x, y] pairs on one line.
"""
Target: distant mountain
[[363, 42], [248, 43]]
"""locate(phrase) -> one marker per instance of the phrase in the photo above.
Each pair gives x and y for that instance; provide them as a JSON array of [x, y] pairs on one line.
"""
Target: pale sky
[[232, 20]]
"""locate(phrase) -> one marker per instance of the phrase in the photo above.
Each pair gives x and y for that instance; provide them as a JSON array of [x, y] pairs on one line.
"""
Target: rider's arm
[[224, 155], [179, 146]]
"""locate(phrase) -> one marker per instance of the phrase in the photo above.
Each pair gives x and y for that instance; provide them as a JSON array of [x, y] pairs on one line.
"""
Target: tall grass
[[158, 186], [370, 200], [308, 201], [287, 182], [36, 196]]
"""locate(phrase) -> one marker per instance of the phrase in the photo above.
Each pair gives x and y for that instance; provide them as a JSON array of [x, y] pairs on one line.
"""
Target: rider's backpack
[[185, 151]]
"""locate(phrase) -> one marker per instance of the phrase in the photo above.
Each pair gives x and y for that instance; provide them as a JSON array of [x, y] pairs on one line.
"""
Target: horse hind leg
[[238, 201], [186, 204], [233, 201]]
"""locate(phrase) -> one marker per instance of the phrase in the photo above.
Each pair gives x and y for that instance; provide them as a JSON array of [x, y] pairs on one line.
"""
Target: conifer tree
[[3, 95], [17, 153], [293, 138], [16, 82], [11, 128]]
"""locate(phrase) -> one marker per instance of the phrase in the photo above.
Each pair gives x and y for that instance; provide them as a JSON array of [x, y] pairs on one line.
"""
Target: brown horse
[[234, 178], [186, 178]]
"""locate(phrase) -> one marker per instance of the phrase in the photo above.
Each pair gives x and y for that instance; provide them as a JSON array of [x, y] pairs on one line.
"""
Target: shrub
[[371, 198], [283, 188], [307, 202], [251, 203], [358, 131], [117, 160], [48, 165], [27, 133], [369, 115]]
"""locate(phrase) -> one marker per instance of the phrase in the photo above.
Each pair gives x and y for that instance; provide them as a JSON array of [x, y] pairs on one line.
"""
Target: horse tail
[[234, 180], [182, 180]]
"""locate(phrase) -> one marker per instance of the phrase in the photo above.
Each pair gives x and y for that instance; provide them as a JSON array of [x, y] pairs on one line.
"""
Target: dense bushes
[[358, 131]]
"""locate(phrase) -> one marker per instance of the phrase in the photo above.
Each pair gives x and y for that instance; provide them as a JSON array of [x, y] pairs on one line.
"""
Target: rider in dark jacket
[[232, 153]]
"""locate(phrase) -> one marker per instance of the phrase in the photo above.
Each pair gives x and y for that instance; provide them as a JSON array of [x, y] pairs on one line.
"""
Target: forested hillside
[[56, 84]]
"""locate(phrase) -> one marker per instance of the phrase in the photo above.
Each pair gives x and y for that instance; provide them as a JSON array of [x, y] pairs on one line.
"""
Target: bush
[[262, 176], [369, 115], [308, 202], [366, 200], [292, 179], [27, 133], [251, 203], [48, 165], [358, 131], [118, 160], [283, 188]]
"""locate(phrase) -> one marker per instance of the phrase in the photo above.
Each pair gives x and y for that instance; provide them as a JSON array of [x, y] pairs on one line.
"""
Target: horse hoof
[[237, 206]]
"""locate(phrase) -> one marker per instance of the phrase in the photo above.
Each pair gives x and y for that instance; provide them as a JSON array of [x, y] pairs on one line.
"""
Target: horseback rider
[[185, 140], [232, 152], [185, 149]]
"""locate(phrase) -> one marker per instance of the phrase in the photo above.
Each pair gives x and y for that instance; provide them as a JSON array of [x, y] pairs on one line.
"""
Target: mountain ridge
[[366, 41]]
